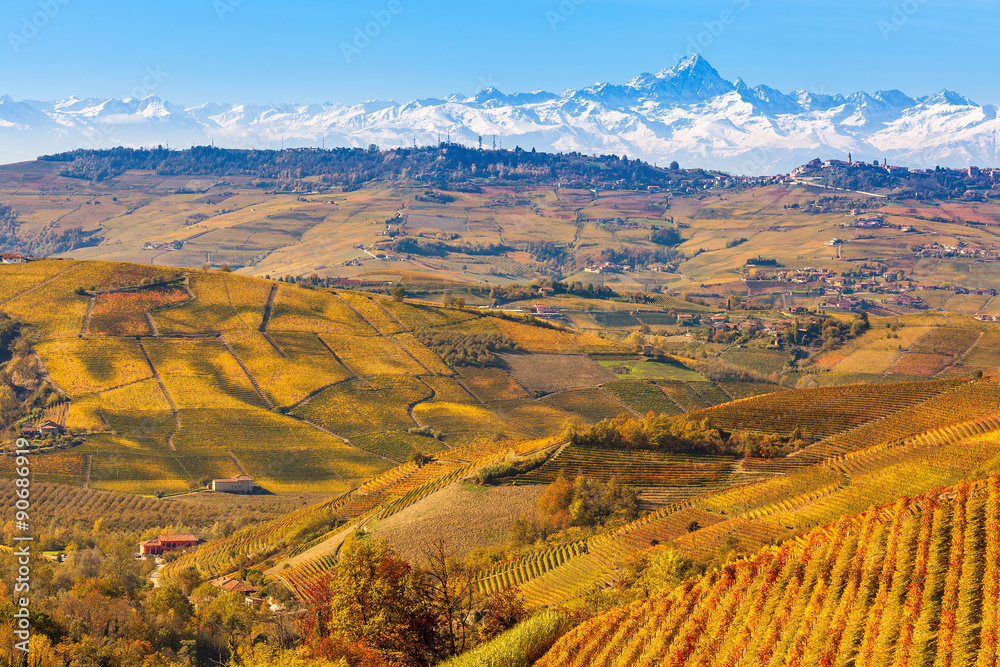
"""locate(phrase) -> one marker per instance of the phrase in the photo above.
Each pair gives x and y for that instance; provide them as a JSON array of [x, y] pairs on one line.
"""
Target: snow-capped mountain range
[[687, 113]]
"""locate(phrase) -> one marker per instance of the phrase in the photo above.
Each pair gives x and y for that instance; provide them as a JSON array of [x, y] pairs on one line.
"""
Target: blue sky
[[307, 51]]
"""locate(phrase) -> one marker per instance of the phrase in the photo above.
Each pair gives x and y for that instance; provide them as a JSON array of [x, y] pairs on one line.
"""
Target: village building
[[164, 543], [49, 427], [238, 484], [231, 585]]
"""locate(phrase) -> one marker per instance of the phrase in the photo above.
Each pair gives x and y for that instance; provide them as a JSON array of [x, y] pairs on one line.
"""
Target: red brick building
[[165, 543]]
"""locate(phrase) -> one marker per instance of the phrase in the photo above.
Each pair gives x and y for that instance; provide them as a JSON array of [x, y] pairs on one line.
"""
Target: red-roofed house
[[231, 585], [165, 543]]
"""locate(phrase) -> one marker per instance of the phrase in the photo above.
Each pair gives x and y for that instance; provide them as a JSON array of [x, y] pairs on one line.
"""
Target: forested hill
[[352, 167]]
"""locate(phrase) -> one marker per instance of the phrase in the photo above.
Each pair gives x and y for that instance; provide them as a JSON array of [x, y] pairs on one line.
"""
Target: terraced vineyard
[[223, 302], [16, 279], [286, 377], [211, 361], [824, 411], [376, 500], [124, 313], [683, 395], [753, 515], [968, 401], [381, 495], [87, 366], [637, 468], [592, 404], [907, 583], [299, 309], [642, 397]]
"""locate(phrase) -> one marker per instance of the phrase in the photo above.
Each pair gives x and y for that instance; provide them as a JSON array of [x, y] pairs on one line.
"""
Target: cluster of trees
[[826, 331], [10, 224], [22, 387], [462, 349], [350, 168], [768, 445], [99, 608], [866, 178], [667, 236], [569, 507], [654, 431], [514, 292], [376, 609], [587, 502], [48, 241], [412, 246], [681, 435], [546, 251], [635, 256]]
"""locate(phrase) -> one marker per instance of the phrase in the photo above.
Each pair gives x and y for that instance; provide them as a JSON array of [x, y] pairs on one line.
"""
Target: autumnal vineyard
[[824, 411], [634, 468], [914, 582], [124, 313], [765, 509], [376, 499], [642, 397]]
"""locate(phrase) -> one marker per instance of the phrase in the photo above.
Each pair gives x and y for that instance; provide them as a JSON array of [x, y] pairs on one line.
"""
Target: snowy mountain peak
[[694, 63], [686, 112], [947, 97]]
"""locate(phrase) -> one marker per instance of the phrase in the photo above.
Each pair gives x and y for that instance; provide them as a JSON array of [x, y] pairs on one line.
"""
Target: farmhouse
[[238, 484], [28, 430], [231, 585], [165, 543], [49, 427]]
